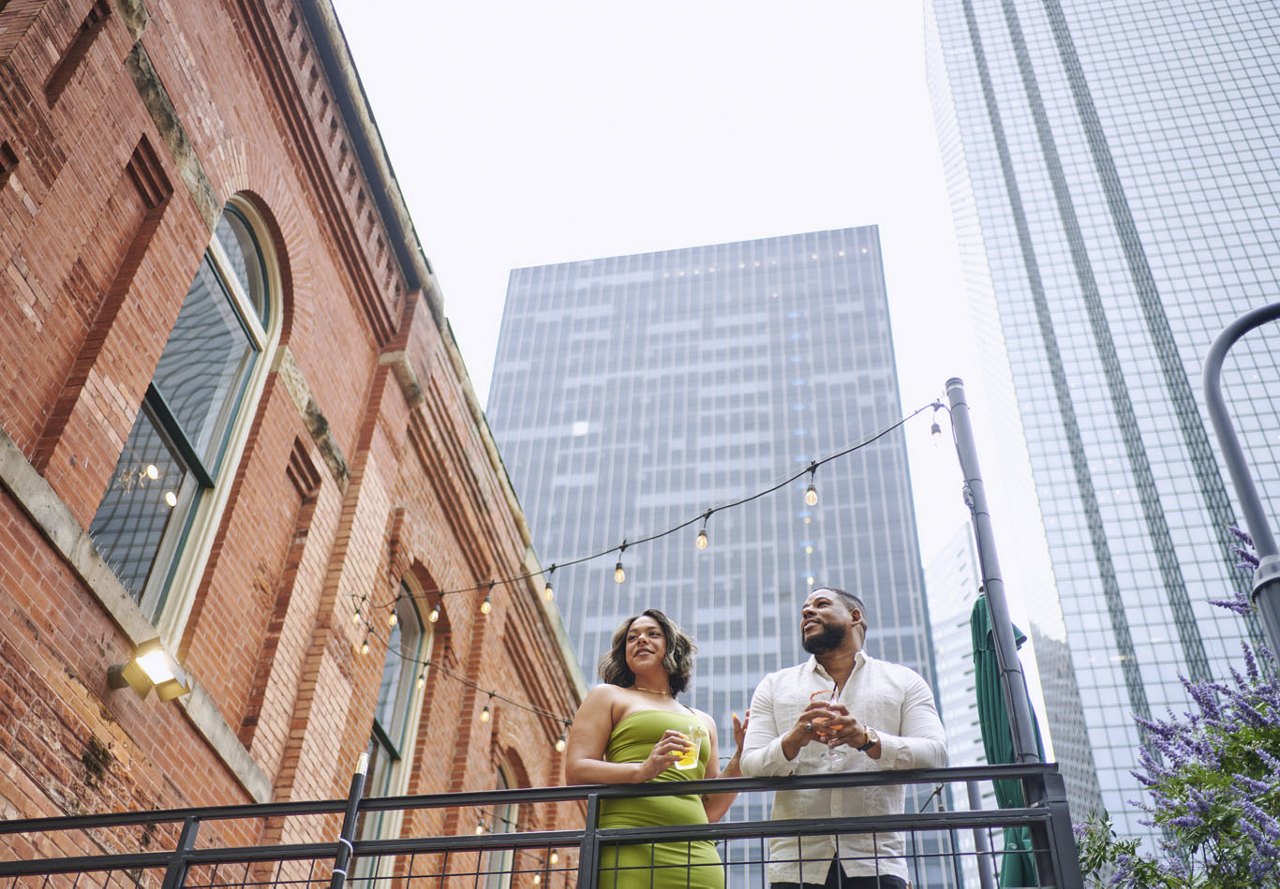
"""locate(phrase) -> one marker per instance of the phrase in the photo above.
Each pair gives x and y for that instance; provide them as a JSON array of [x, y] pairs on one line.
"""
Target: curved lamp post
[[1266, 579]]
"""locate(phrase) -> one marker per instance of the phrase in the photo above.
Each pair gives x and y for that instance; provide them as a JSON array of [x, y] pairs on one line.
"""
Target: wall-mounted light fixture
[[150, 667]]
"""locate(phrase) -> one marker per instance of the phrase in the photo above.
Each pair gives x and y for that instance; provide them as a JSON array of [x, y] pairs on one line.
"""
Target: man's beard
[[828, 640]]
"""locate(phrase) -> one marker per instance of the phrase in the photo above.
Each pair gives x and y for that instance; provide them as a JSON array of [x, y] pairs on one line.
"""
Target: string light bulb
[[555, 857], [393, 618], [364, 646], [487, 605], [619, 573], [547, 592], [355, 616], [479, 827], [561, 743], [935, 431], [486, 714], [422, 679], [811, 493], [537, 879], [702, 542], [435, 614]]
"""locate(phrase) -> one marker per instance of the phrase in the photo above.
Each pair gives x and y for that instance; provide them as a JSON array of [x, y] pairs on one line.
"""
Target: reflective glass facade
[[1113, 175], [632, 393]]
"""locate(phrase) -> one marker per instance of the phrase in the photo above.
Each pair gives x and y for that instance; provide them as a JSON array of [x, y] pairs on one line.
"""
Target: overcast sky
[[532, 133]]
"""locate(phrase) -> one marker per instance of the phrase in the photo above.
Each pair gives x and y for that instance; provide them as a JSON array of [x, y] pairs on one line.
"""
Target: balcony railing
[[210, 848]]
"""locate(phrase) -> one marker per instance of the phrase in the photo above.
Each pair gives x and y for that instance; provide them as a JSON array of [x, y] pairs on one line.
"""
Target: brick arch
[[279, 247]]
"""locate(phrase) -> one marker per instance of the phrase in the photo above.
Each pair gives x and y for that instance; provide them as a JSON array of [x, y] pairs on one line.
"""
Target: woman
[[631, 730]]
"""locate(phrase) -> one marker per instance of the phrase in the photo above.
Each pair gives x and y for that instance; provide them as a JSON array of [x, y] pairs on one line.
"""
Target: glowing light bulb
[[355, 617], [479, 828], [393, 618], [171, 499], [485, 715], [486, 606], [435, 614], [808, 520], [808, 550], [152, 472], [422, 679], [809, 580], [811, 495], [702, 541], [537, 878], [560, 743], [619, 573], [548, 593], [555, 857], [364, 646]]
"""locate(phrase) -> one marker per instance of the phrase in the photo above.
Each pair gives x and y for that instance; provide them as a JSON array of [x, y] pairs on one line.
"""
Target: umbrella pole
[[1012, 679]]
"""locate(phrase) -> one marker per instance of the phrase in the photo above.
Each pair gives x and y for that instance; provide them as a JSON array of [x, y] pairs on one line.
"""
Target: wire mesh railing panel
[[439, 842]]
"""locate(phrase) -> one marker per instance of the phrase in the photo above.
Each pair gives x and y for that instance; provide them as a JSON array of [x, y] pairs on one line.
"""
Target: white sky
[[532, 133]]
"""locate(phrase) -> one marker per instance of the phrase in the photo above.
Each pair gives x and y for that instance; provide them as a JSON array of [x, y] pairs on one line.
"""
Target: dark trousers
[[837, 880]]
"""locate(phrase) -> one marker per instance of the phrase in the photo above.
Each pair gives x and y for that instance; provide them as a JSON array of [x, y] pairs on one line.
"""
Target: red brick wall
[[95, 259]]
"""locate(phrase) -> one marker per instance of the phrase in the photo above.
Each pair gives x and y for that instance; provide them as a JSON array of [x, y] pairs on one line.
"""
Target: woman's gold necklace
[[652, 691]]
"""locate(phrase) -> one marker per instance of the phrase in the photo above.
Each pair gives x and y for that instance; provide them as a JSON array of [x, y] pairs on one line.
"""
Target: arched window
[[395, 719], [155, 523], [495, 869]]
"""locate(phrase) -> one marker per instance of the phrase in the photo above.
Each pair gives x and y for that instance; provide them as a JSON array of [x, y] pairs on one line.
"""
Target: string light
[[537, 879], [355, 617], [555, 857], [364, 646], [561, 743], [619, 569], [702, 542], [487, 605], [547, 592], [811, 493], [393, 617], [935, 431], [422, 679], [480, 828], [435, 614], [486, 714]]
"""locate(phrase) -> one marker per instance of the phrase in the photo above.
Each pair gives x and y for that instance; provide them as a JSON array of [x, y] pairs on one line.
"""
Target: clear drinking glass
[[695, 734], [834, 754]]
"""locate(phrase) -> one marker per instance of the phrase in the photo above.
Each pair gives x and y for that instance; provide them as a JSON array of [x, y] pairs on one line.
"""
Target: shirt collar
[[812, 665]]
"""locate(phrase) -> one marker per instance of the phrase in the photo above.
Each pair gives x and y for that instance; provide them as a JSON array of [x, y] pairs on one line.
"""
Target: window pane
[[139, 504], [246, 260], [204, 366], [398, 673]]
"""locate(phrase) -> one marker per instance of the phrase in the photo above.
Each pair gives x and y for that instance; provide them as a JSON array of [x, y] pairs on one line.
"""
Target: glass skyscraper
[[1113, 175], [633, 393]]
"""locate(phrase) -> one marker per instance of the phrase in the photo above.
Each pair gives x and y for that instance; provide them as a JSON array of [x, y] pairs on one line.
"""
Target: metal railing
[[209, 848]]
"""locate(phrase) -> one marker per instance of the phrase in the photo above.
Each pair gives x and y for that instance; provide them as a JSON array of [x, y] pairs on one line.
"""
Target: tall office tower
[[1113, 173], [633, 393]]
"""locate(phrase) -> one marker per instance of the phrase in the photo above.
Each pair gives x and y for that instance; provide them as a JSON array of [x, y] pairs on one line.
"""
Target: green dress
[[657, 865]]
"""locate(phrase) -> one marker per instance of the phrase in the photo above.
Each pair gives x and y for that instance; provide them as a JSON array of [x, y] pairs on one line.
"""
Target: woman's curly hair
[[678, 661]]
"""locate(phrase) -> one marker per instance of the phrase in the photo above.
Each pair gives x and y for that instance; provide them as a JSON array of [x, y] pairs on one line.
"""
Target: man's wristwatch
[[872, 740]]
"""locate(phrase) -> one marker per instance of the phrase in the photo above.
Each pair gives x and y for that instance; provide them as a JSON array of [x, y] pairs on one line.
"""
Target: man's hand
[[815, 722], [845, 729]]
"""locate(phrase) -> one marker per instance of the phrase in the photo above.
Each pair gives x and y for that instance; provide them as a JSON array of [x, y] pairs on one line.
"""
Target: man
[[840, 711]]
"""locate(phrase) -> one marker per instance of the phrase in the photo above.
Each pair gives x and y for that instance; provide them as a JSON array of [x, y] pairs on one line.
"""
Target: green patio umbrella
[[1019, 868]]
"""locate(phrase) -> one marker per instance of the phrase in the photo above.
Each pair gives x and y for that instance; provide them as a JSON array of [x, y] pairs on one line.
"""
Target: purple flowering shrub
[[1212, 780]]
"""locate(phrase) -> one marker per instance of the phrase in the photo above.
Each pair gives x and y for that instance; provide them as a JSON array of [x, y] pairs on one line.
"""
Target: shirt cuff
[[773, 762], [895, 752]]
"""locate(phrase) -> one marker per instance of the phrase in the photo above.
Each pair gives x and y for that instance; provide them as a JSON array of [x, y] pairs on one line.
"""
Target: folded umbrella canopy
[[1018, 868]]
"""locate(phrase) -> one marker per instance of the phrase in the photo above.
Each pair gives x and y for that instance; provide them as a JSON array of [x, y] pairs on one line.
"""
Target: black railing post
[[981, 841], [1055, 843], [589, 847], [342, 860], [176, 873]]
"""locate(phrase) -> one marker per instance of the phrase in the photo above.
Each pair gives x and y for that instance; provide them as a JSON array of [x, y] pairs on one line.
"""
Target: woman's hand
[[663, 756]]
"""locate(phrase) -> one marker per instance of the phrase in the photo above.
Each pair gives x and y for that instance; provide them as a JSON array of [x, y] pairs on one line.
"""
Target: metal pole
[[1011, 676], [176, 873], [342, 860], [981, 841], [1266, 580]]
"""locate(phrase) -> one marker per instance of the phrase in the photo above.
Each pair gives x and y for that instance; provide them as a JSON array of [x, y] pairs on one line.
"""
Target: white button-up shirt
[[892, 699]]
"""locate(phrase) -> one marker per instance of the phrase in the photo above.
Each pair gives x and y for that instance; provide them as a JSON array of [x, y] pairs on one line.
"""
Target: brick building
[[234, 416]]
